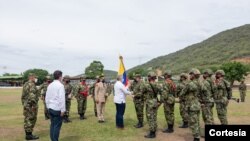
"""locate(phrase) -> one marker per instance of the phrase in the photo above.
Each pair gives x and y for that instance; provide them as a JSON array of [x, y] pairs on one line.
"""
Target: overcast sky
[[69, 34]]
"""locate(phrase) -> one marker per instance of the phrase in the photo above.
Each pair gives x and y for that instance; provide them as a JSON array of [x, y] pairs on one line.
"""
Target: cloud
[[68, 35]]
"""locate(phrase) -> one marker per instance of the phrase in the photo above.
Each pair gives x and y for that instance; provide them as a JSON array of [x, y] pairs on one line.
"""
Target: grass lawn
[[11, 121]]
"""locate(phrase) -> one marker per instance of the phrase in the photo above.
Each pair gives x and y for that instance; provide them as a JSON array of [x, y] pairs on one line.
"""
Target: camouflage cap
[[151, 74], [220, 72], [168, 72], [48, 77], [102, 75], [184, 75], [97, 77], [208, 71], [194, 71], [32, 74], [66, 77]]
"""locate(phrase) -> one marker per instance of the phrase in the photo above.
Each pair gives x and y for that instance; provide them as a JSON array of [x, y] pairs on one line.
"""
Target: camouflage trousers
[[207, 113], [151, 114], [30, 117], [82, 105], [242, 96], [46, 111], [221, 109], [169, 113], [183, 111], [68, 104], [139, 107], [194, 123]]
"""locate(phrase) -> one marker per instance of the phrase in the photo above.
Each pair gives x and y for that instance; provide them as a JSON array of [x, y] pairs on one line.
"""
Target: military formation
[[195, 94]]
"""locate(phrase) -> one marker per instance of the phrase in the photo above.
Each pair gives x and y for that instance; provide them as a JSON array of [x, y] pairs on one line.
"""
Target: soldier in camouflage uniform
[[183, 110], [92, 93], [137, 88], [81, 94], [168, 100], [151, 90], [192, 92], [43, 90], [30, 97], [242, 89], [222, 96], [68, 95], [207, 103]]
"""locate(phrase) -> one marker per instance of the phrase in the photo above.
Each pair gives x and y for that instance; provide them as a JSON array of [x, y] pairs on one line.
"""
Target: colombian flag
[[122, 71]]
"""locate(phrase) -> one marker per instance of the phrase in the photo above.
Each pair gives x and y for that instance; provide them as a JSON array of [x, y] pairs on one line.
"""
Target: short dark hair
[[57, 74]]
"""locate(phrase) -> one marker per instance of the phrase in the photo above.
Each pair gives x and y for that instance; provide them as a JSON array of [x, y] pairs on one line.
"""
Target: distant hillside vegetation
[[110, 74], [233, 44]]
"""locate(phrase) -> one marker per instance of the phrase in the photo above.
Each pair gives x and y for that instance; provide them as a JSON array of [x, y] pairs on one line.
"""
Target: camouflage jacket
[[242, 87], [92, 90], [137, 88], [179, 87], [207, 92], [220, 91], [228, 91], [192, 92], [68, 90], [151, 92], [168, 92], [110, 89], [30, 94], [80, 90], [43, 89]]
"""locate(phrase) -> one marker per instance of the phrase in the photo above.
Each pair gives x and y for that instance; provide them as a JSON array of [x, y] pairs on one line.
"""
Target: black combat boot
[[196, 139], [184, 125], [81, 116], [139, 125], [150, 135], [95, 114], [66, 119], [170, 129], [29, 136]]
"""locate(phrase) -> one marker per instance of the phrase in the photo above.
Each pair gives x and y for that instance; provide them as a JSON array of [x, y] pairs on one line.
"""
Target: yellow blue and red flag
[[122, 71]]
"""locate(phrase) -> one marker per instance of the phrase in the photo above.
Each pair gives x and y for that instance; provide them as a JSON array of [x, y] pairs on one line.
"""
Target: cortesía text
[[240, 132]]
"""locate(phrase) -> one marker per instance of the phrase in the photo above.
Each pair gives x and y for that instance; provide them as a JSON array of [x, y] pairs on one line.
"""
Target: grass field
[[11, 122]]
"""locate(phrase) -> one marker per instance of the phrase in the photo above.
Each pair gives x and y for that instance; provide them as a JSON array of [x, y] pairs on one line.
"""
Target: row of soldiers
[[195, 95], [30, 97]]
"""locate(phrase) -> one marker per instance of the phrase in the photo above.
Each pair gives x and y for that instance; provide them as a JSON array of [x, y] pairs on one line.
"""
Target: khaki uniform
[[100, 93]]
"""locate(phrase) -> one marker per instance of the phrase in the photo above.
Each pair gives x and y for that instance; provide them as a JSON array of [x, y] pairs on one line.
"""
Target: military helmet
[[82, 78], [102, 75], [66, 77], [220, 72], [32, 74], [151, 74], [48, 77], [137, 75], [168, 72], [184, 75], [194, 71], [208, 71]]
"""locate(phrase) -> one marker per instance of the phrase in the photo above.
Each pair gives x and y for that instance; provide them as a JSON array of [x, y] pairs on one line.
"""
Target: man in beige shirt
[[100, 93]]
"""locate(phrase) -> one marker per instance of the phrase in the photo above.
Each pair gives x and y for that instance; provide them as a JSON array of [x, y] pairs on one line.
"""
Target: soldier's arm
[[229, 89], [23, 95], [32, 99], [184, 90]]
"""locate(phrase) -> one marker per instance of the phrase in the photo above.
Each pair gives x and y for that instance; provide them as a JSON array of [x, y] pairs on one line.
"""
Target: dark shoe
[[184, 125], [120, 128], [150, 135], [170, 129], [95, 114], [81, 117], [29, 136], [139, 125], [196, 139]]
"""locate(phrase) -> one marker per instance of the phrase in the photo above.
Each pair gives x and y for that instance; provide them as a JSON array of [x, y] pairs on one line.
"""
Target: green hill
[[233, 44], [110, 74]]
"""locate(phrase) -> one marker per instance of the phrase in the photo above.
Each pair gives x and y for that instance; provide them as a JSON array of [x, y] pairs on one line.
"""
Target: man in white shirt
[[120, 92], [55, 102]]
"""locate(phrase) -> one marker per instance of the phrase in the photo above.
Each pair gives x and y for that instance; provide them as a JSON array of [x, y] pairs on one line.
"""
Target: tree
[[234, 71], [94, 69], [40, 73]]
